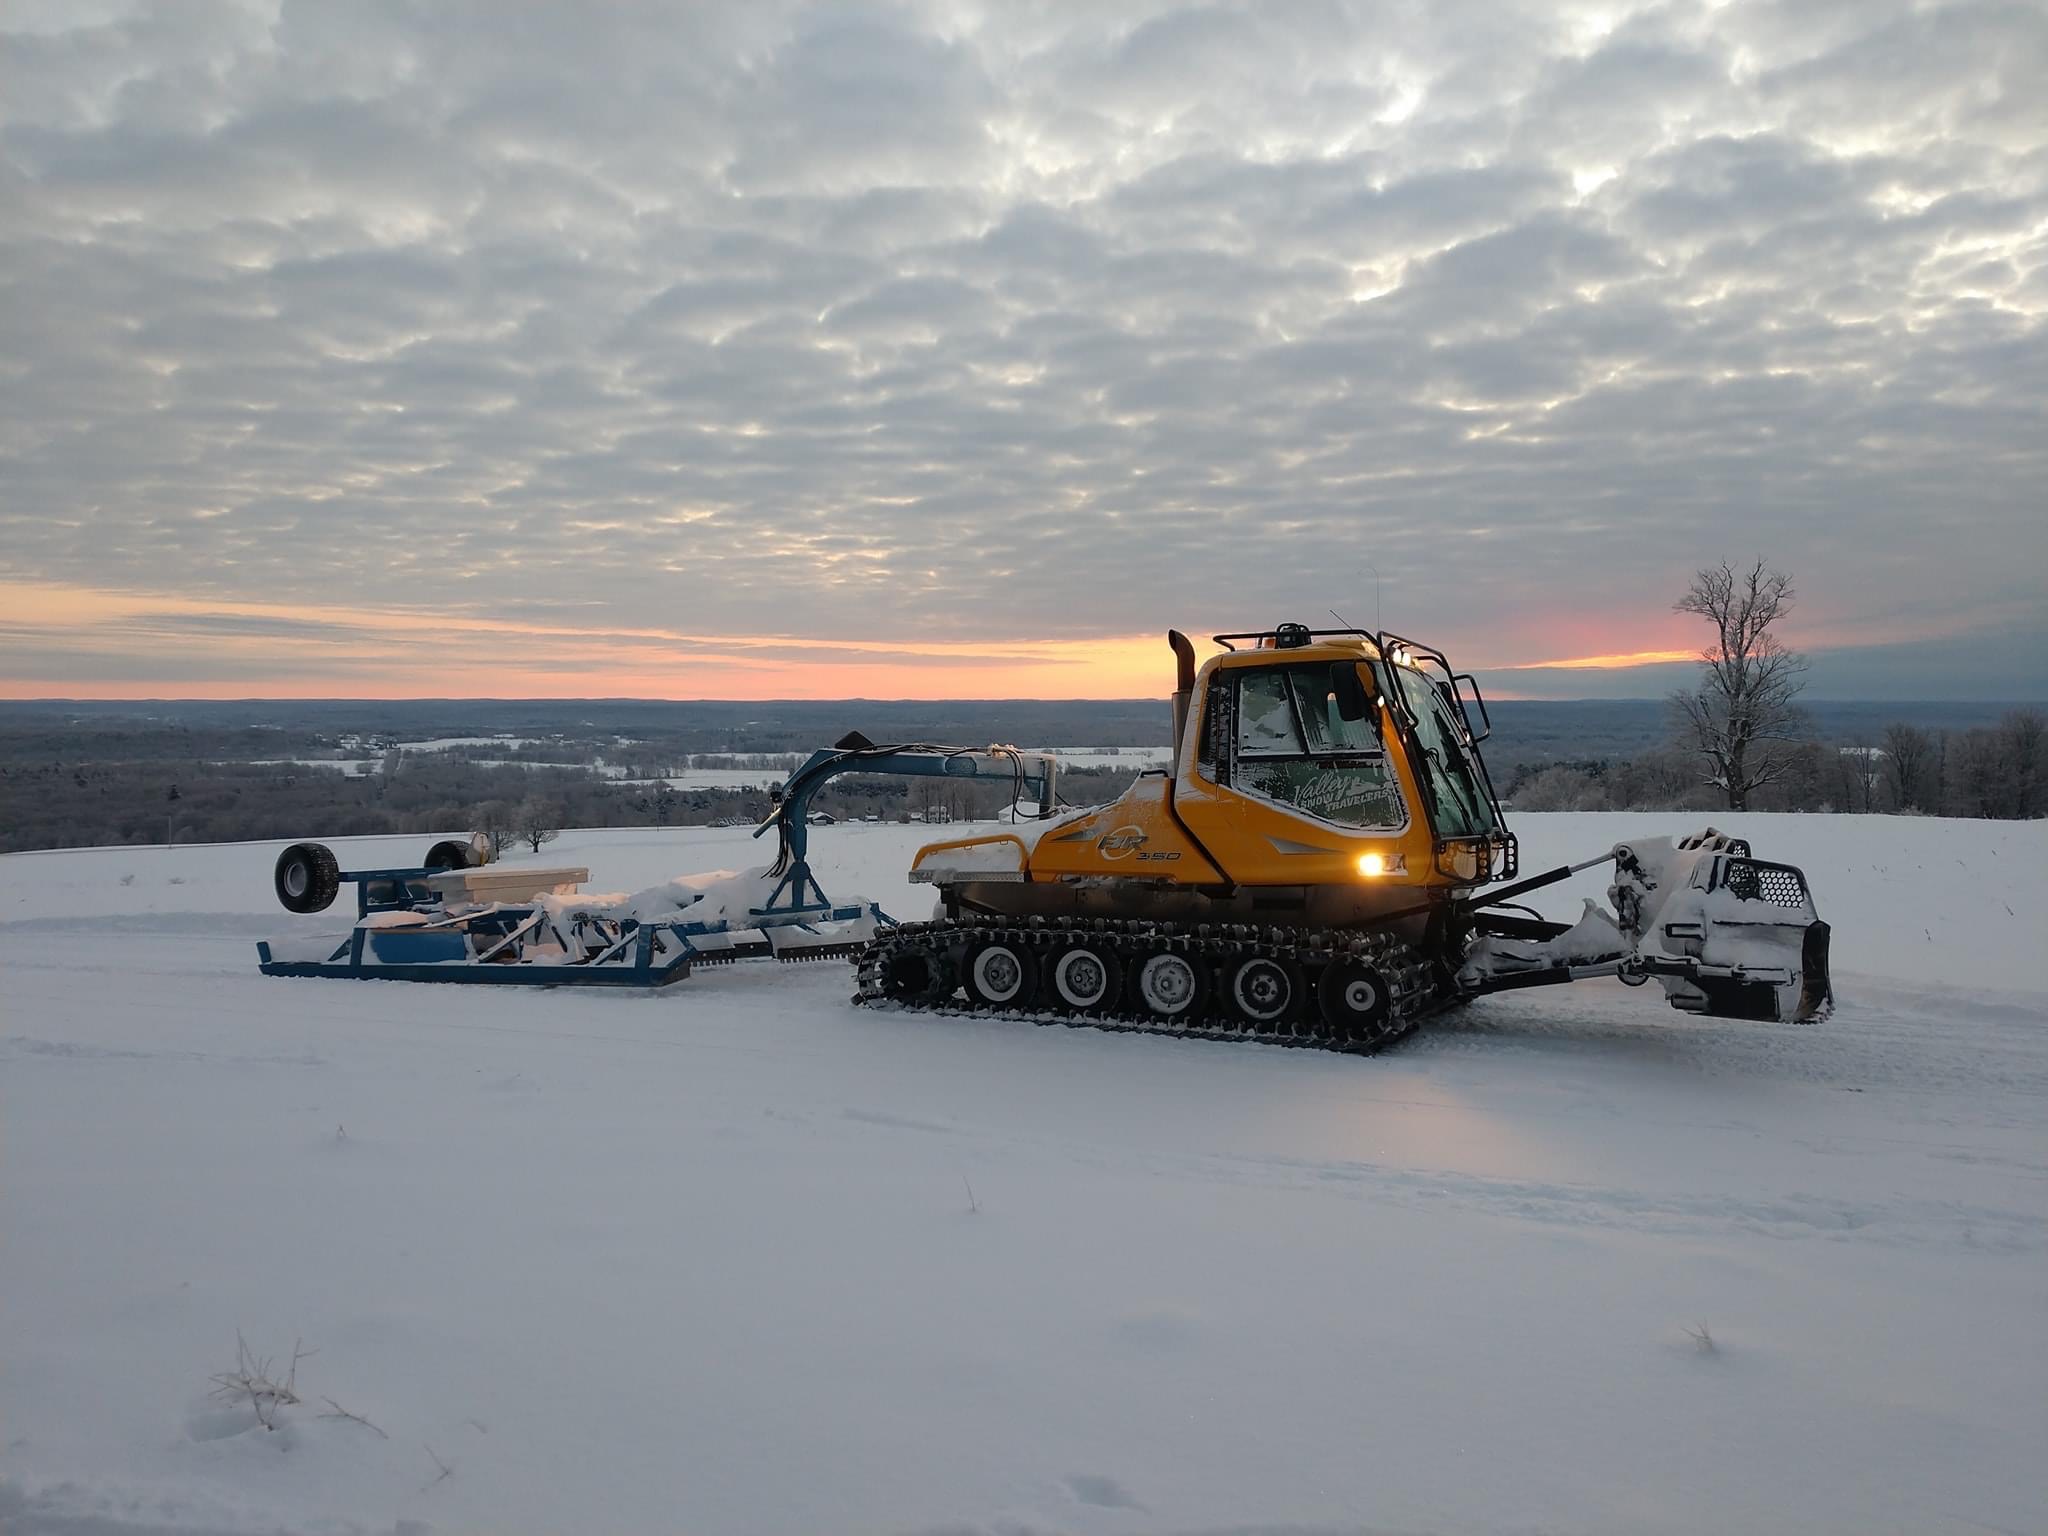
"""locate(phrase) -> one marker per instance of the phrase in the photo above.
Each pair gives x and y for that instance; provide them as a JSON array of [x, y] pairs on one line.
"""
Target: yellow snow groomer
[[1325, 862]]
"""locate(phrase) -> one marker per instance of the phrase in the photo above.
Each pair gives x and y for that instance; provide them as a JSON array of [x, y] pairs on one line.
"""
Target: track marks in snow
[[1163, 1330], [1904, 1042], [2027, 1167], [898, 1122], [75, 1050], [178, 924], [1014, 1527], [76, 1509], [1101, 1492], [1790, 1216]]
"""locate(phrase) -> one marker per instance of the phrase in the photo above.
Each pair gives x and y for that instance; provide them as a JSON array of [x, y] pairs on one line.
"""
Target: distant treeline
[[79, 774], [667, 730], [1998, 771], [76, 803], [648, 734]]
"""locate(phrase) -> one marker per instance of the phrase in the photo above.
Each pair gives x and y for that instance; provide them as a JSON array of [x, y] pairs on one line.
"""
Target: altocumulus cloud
[[1030, 320]]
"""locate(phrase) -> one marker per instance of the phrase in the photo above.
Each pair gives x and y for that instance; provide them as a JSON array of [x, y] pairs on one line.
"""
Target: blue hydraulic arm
[[1031, 774]]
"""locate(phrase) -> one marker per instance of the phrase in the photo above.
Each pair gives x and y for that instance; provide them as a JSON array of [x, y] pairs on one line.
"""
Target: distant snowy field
[[713, 770], [739, 1258]]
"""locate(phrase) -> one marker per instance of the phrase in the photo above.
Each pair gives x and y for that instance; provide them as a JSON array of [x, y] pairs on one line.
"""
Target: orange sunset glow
[[1600, 663], [73, 641], [238, 649]]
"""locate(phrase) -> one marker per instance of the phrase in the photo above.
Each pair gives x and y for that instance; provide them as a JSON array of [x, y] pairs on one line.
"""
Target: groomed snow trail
[[740, 1258]]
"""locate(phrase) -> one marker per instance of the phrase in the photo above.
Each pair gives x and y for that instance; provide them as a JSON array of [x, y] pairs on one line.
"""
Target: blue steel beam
[[1028, 772]]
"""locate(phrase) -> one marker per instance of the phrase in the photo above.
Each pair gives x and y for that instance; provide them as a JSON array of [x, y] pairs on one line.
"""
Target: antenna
[[1375, 573]]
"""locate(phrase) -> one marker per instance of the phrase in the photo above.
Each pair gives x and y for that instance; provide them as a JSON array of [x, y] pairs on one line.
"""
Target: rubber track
[[1414, 995], [798, 956]]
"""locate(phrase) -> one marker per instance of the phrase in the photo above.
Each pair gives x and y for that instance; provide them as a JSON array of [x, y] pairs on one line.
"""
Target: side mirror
[[1352, 703]]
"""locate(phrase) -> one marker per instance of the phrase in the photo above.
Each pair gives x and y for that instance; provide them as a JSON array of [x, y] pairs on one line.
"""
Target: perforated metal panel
[[1753, 880]]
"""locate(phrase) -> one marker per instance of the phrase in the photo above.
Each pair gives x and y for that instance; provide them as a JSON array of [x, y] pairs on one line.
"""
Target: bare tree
[[1744, 717], [2024, 733], [538, 821], [495, 820], [1862, 767], [1911, 769]]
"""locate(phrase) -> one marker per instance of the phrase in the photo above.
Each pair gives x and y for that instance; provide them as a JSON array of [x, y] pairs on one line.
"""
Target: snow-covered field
[[714, 770], [741, 1258], [1112, 757]]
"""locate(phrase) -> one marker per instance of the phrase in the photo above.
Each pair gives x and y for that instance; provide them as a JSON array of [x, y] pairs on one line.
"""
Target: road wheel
[[1264, 991], [1169, 987], [1354, 1001], [1082, 978], [1000, 975], [307, 877], [913, 975]]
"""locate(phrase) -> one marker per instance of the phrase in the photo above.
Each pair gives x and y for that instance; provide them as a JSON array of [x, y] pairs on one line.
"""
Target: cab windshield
[[1458, 801]]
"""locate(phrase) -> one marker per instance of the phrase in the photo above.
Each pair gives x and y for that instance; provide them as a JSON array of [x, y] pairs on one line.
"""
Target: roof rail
[[1226, 641]]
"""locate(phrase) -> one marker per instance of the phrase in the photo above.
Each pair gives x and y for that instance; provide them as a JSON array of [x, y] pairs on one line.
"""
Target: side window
[[1266, 725], [1219, 716]]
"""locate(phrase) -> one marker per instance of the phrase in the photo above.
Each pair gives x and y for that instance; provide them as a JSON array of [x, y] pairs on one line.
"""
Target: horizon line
[[565, 700]]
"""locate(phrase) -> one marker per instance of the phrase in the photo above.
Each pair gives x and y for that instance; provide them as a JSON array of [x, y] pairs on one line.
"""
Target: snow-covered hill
[[741, 1258]]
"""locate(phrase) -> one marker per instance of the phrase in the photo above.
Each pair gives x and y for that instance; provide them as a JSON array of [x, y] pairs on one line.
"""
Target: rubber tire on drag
[[1143, 989], [986, 963], [915, 976], [1354, 1001], [1065, 965], [1282, 1009], [307, 877], [449, 854]]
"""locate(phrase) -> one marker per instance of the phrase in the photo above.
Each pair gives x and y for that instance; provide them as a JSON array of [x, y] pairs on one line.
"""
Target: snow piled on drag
[[741, 1258]]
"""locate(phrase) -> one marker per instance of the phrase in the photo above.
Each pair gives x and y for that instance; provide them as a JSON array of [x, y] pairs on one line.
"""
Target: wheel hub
[[1262, 989], [1082, 979], [999, 974], [1168, 983]]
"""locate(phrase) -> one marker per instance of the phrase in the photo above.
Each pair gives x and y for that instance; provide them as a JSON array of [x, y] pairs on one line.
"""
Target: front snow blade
[[1727, 935], [1734, 937], [1817, 988]]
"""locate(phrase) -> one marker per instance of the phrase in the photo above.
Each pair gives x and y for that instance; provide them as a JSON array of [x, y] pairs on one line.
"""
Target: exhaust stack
[[1184, 683]]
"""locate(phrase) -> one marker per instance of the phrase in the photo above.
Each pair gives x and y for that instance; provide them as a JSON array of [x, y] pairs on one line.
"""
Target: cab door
[[1283, 790]]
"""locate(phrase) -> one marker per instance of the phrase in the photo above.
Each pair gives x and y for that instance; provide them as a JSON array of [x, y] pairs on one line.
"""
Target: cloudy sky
[[918, 349]]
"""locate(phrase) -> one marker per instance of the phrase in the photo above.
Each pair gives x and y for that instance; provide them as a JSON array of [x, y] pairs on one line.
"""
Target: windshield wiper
[[1438, 781], [1464, 793]]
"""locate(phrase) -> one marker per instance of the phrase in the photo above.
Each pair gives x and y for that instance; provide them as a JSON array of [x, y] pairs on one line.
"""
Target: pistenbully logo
[[1121, 843]]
